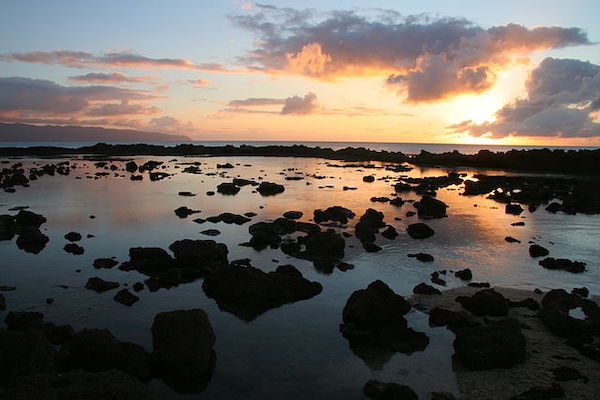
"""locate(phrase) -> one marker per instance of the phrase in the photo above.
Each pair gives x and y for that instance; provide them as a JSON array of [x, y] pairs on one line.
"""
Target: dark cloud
[[113, 77], [80, 59], [256, 101], [426, 58], [297, 105], [562, 97], [170, 124]]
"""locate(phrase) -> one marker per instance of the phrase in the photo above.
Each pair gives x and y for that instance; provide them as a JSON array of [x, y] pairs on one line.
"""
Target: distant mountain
[[52, 133]]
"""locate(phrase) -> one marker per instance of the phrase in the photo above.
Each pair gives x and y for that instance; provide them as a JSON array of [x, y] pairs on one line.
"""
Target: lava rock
[[563, 264], [270, 188], [535, 250], [429, 207], [99, 285], [423, 257], [485, 302], [73, 248], [335, 213], [514, 209], [125, 297], [419, 231], [423, 288], [229, 218], [184, 212], [378, 390], [293, 214], [106, 263], [464, 274], [368, 178], [24, 353], [73, 236], [227, 189], [390, 233]]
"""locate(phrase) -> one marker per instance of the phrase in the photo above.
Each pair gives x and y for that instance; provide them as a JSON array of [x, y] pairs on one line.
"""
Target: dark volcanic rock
[[211, 232], [541, 393], [184, 212], [22, 320], [96, 350], [536, 250], [79, 385], [131, 166], [378, 390], [390, 233], [24, 353], [429, 207], [368, 225], [370, 247], [374, 316], [107, 263], [29, 219], [424, 257], [335, 213], [183, 343], [247, 292], [227, 188], [203, 255], [229, 218], [419, 231], [74, 248], [514, 209], [125, 297], [485, 302], [564, 264], [326, 245], [499, 344], [73, 236], [186, 194], [368, 178], [32, 241], [465, 274], [2, 303], [423, 288], [511, 239], [269, 188], [293, 214], [100, 285]]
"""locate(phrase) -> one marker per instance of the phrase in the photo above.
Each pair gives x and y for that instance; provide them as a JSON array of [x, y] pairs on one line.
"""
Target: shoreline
[[579, 162], [545, 351]]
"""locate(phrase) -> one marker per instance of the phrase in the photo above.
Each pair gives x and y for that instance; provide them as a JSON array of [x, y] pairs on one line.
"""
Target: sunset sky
[[510, 72]]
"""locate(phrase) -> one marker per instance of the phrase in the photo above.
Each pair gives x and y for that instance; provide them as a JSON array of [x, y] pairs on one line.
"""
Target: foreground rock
[[378, 390], [430, 207], [563, 264], [25, 352], [96, 350], [373, 318], [247, 292], [183, 343], [485, 302], [270, 188]]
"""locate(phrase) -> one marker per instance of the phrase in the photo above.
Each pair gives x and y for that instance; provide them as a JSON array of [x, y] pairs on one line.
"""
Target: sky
[[510, 72]]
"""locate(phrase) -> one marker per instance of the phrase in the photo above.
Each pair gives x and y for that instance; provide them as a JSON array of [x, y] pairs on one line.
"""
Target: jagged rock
[[419, 231], [326, 245], [96, 350], [423, 288], [183, 343], [269, 188], [203, 255], [485, 302], [229, 218], [464, 274], [374, 316], [74, 248], [106, 263], [368, 225], [73, 236], [390, 233], [536, 250], [293, 214], [248, 292], [243, 182], [131, 167], [368, 178], [370, 247], [32, 241], [227, 188], [500, 344], [29, 219], [335, 213], [582, 291], [429, 207], [378, 390], [397, 202], [184, 212], [563, 264], [125, 297], [99, 285]]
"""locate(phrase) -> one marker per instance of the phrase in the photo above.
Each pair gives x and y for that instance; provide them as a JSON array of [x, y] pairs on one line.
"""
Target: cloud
[[425, 58], [80, 59], [297, 105], [256, 101], [563, 96], [168, 124], [200, 83], [34, 100], [113, 77]]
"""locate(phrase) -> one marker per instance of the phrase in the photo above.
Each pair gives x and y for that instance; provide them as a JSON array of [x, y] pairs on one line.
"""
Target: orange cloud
[[114, 77]]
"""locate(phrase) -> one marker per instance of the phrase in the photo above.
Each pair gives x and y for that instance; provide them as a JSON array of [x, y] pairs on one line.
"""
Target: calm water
[[295, 351], [407, 148]]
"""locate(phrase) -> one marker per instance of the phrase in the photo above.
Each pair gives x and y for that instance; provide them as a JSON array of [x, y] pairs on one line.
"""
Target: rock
[[554, 207], [78, 385], [397, 202], [485, 302], [423, 257], [57, 335], [370, 247], [541, 393], [227, 189], [125, 297], [380, 199], [514, 209], [423, 288], [429, 207], [73, 236], [378, 390], [73, 248], [374, 317], [23, 320], [183, 343], [2, 302], [511, 239], [536, 250], [390, 233], [186, 194], [582, 291], [184, 212], [32, 241], [479, 284], [368, 225], [100, 285], [131, 167], [211, 232], [138, 286], [106, 263], [293, 214], [335, 213], [229, 218], [554, 314], [442, 396], [520, 223], [452, 319], [368, 178], [565, 373], [410, 213], [270, 188], [247, 292], [203, 255], [464, 274], [419, 231], [500, 344], [326, 245], [96, 350], [226, 165], [29, 219], [563, 264], [243, 182], [24, 353]]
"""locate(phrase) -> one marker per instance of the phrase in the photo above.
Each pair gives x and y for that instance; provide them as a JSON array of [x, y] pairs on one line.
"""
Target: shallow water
[[295, 351]]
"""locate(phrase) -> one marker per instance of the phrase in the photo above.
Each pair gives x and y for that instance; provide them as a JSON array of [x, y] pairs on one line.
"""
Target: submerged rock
[[247, 292], [125, 297], [378, 390], [563, 264], [535, 250], [183, 343], [99, 285], [423, 257], [106, 263], [184, 212]]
